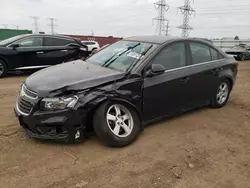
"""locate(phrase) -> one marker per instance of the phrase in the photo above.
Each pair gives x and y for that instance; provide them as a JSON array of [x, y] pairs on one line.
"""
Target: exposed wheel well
[[230, 80]]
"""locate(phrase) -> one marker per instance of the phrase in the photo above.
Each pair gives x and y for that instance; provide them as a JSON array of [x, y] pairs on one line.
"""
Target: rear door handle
[[217, 70], [184, 80], [39, 52], [64, 50]]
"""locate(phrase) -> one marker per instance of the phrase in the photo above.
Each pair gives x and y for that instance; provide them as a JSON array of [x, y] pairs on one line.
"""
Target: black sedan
[[123, 87], [25, 52]]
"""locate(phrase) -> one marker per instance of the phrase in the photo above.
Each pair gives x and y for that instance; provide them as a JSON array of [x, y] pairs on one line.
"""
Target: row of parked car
[[27, 52], [119, 89]]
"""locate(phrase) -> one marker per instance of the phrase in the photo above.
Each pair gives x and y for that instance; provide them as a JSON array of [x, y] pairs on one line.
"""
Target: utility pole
[[52, 25], [187, 11], [162, 7], [5, 26], [17, 27], [167, 29], [35, 23]]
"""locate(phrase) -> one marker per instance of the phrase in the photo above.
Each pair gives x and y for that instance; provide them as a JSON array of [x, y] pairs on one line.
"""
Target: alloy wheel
[[119, 120], [222, 93]]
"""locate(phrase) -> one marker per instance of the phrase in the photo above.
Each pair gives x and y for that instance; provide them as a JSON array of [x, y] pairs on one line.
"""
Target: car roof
[[47, 35], [157, 39]]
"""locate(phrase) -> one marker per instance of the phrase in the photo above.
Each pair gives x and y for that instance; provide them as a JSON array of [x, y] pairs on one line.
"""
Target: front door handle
[[39, 52], [64, 50], [184, 80]]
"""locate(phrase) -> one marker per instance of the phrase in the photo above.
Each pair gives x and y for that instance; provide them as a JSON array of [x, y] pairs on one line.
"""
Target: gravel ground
[[204, 148]]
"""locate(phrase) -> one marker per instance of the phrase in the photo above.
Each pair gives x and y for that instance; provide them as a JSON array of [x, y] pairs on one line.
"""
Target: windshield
[[120, 55], [10, 40]]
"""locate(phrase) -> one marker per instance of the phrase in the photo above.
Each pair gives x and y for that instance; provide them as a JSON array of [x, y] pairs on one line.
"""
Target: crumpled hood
[[73, 76]]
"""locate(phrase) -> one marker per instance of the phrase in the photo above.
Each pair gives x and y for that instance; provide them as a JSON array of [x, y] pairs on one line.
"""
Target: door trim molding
[[32, 67]]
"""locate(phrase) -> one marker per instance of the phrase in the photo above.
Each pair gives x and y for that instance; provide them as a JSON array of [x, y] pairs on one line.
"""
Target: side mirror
[[155, 70], [15, 46]]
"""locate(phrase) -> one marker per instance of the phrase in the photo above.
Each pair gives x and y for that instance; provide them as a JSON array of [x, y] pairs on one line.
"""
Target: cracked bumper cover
[[64, 125]]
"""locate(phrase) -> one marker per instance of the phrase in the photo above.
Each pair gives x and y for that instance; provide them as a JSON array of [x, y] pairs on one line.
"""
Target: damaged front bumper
[[64, 125]]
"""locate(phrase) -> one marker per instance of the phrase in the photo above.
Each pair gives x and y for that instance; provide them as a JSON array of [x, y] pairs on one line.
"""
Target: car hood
[[73, 76]]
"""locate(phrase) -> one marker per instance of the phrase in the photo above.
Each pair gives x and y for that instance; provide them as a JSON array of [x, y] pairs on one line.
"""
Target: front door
[[166, 94], [29, 52]]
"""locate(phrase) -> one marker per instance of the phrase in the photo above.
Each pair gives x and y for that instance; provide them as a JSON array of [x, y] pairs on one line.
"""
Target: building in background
[[100, 39], [7, 33]]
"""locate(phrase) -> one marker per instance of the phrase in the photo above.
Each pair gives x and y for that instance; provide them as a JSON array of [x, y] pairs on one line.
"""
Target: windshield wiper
[[107, 63], [137, 60]]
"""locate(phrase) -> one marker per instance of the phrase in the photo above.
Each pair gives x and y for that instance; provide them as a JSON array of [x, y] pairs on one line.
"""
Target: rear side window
[[56, 42], [200, 53], [215, 54], [172, 56]]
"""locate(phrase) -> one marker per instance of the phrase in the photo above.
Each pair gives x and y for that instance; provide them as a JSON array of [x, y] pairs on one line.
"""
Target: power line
[[52, 25], [35, 23], [187, 11], [162, 7]]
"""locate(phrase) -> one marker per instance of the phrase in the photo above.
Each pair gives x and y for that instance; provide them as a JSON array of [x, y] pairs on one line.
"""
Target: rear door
[[28, 53], [56, 50], [204, 68]]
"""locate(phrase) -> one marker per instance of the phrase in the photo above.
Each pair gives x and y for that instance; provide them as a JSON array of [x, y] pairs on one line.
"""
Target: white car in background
[[92, 45]]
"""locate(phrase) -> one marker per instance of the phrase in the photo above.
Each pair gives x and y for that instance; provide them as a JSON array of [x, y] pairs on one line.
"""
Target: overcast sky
[[213, 18]]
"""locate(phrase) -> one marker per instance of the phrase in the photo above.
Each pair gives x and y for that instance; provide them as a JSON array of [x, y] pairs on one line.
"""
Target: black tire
[[3, 68], [215, 103], [242, 57], [103, 130]]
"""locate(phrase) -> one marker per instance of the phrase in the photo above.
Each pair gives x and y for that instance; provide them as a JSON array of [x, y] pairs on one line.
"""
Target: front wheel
[[221, 97], [116, 124]]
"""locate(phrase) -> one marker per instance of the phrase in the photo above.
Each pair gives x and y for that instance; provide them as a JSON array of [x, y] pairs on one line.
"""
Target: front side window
[[30, 42], [50, 41], [171, 57], [200, 53], [121, 55]]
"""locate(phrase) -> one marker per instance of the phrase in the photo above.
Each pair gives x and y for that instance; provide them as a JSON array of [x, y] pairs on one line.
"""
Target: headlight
[[60, 103]]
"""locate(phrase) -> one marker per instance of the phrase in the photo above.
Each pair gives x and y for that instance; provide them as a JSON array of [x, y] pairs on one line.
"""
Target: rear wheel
[[116, 124], [222, 94], [3, 68]]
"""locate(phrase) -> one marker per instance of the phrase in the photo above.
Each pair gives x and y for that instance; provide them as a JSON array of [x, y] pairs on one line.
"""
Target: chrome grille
[[24, 106], [29, 93], [26, 100]]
